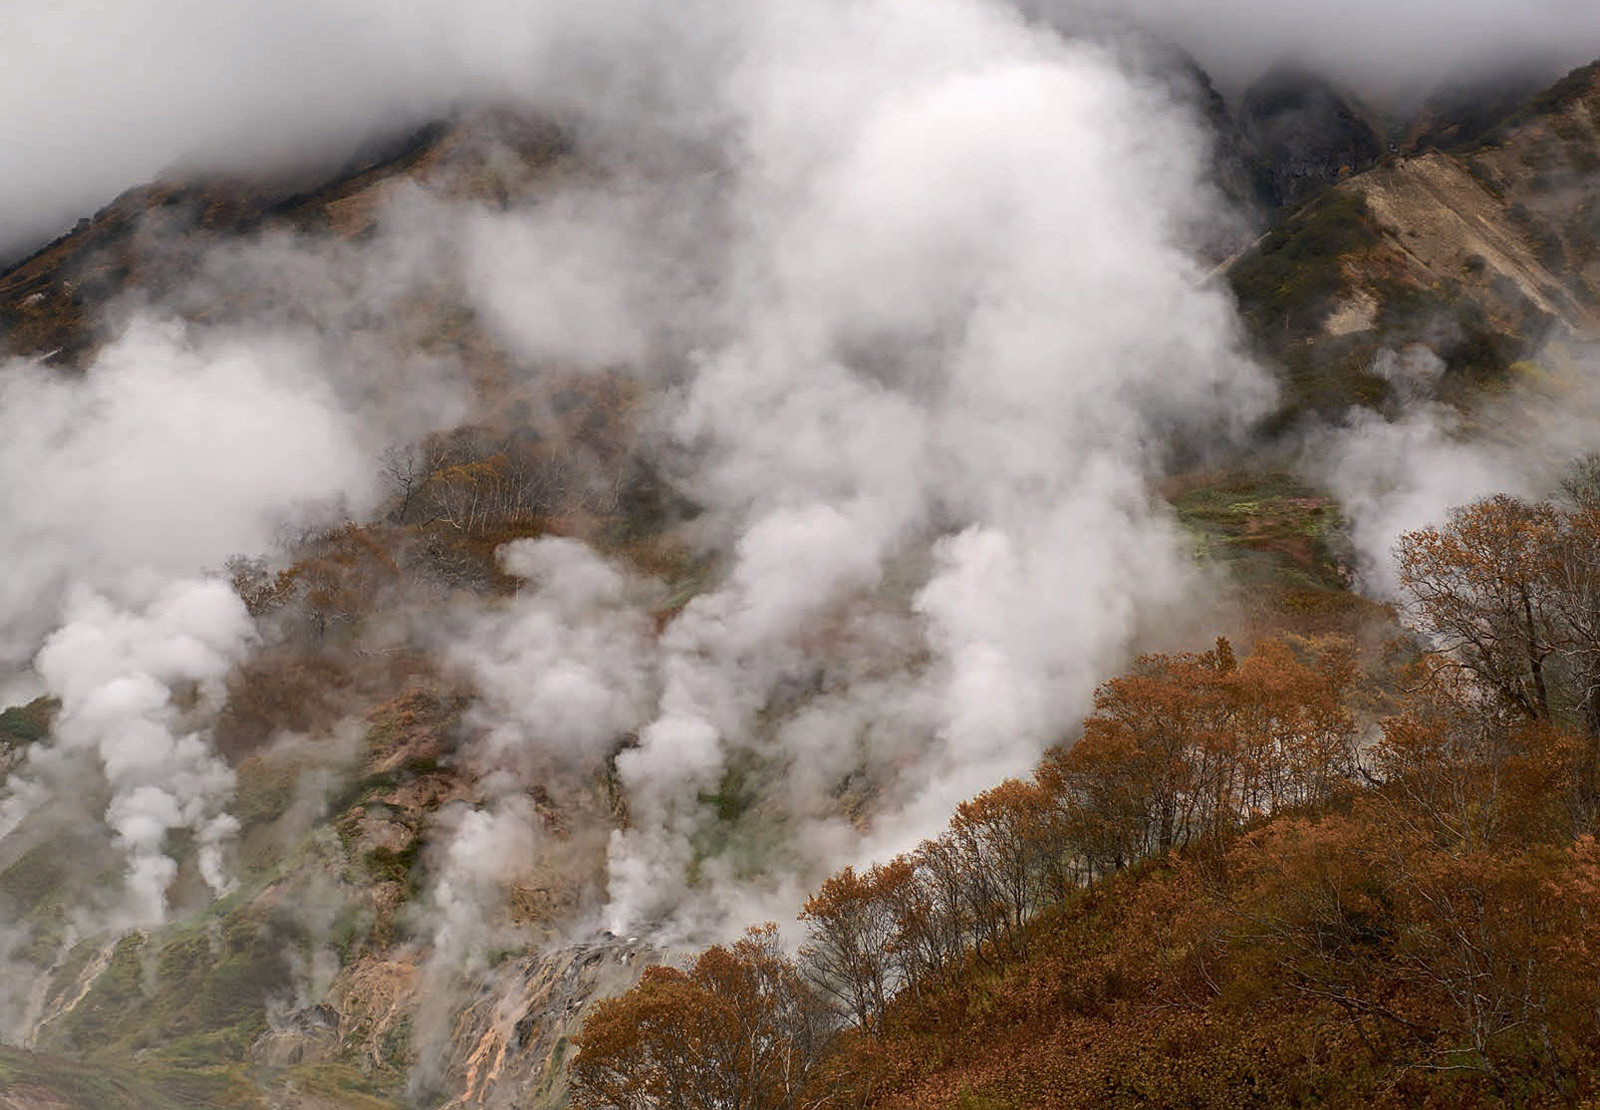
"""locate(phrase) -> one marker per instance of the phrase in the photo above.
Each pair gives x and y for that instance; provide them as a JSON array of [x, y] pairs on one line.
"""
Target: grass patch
[[191, 997], [343, 1084], [32, 1079], [1269, 529], [265, 789]]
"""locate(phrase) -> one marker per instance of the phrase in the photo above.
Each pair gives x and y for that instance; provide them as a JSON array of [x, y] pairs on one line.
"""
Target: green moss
[[394, 1046], [396, 865], [734, 795]]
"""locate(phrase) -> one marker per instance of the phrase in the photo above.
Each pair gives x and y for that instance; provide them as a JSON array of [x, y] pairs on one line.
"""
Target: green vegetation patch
[[1330, 376], [1289, 285], [1552, 100], [195, 995], [38, 876], [1270, 531], [343, 1085], [1289, 282], [21, 725]]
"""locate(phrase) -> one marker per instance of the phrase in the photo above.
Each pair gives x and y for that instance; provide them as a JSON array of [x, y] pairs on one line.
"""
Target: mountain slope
[[313, 984], [1478, 254]]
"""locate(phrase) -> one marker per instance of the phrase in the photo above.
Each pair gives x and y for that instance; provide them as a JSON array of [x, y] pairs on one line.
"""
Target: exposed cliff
[[1479, 254]]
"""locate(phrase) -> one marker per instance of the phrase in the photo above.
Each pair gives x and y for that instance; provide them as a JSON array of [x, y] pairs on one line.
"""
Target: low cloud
[[1399, 474]]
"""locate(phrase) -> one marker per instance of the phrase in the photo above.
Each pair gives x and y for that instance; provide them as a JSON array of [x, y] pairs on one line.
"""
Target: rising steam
[[922, 313], [912, 298]]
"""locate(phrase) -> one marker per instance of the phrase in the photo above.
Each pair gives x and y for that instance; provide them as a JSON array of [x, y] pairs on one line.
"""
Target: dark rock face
[[1464, 112], [1302, 134]]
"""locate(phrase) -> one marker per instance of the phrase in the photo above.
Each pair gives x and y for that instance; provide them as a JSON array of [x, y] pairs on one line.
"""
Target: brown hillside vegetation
[[1224, 894]]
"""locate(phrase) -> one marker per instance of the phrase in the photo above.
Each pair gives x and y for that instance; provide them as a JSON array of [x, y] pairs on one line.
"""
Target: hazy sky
[[1378, 45], [99, 95]]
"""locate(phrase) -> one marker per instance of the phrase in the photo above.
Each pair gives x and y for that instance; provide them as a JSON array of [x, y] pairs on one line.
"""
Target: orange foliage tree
[[739, 1030], [1419, 927], [854, 951], [1192, 747], [1509, 592]]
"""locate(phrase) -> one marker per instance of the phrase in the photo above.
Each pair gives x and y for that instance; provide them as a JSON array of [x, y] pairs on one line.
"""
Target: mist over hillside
[[508, 489], [103, 97]]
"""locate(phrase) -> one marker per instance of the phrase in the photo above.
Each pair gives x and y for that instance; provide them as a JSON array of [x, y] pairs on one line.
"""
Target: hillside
[[421, 729], [1233, 888], [1481, 253], [211, 1010]]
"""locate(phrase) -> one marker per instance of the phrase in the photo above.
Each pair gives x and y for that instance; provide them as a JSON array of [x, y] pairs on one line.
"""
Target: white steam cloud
[[949, 322], [117, 483], [566, 669], [177, 447], [964, 232], [1383, 47], [1396, 475], [913, 296], [119, 673]]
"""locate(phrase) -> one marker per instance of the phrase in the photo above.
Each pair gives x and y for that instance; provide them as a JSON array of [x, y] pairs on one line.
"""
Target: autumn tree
[[340, 576], [1468, 772], [1509, 592], [261, 588], [738, 1030], [931, 915], [1195, 746], [1480, 589], [478, 479], [1099, 806], [1005, 845], [1573, 567], [1315, 918], [1147, 728], [854, 931]]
